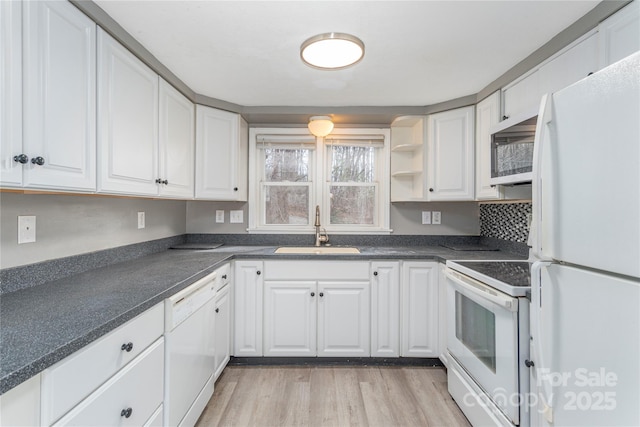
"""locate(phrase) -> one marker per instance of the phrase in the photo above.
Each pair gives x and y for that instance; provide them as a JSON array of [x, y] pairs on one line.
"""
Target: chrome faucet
[[321, 236]]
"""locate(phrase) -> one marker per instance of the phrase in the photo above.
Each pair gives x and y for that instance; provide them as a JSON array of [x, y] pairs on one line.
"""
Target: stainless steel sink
[[318, 250]]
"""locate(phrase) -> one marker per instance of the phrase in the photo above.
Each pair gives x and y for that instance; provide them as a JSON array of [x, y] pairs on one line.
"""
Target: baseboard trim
[[336, 361]]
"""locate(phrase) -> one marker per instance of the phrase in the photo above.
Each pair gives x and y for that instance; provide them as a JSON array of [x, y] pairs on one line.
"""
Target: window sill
[[377, 231]]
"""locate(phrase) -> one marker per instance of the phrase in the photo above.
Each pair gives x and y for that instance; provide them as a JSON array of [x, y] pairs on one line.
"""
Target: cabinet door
[[442, 315], [522, 97], [420, 309], [217, 154], [385, 309], [487, 115], [127, 121], [619, 36], [176, 143], [290, 318], [572, 65], [222, 330], [450, 155], [59, 96], [20, 406], [247, 311], [343, 319], [10, 92]]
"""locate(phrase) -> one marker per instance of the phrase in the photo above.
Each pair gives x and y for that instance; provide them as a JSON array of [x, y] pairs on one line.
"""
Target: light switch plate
[[26, 229], [141, 220], [236, 217], [436, 217], [426, 217], [219, 216]]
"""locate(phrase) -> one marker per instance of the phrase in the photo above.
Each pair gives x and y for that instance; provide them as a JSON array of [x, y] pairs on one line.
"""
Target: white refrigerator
[[585, 245]]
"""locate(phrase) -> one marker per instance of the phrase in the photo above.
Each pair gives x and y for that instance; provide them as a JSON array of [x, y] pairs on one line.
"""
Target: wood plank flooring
[[331, 396]]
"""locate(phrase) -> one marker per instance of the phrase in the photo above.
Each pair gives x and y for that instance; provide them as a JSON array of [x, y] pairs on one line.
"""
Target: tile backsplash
[[506, 221]]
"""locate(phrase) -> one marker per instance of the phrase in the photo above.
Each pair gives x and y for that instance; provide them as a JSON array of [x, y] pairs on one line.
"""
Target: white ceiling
[[417, 52]]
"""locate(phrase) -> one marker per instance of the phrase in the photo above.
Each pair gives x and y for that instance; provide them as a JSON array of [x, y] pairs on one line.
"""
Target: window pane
[[352, 164], [352, 205], [282, 164], [286, 204]]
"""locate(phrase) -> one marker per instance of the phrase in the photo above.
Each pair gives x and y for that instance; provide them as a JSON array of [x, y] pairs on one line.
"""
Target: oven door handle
[[483, 291]]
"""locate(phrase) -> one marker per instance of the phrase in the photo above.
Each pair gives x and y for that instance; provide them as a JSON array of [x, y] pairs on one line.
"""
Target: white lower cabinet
[[385, 309], [317, 308], [290, 310], [222, 329], [442, 314], [420, 309], [67, 383], [343, 318], [337, 309], [20, 406], [247, 308], [130, 398]]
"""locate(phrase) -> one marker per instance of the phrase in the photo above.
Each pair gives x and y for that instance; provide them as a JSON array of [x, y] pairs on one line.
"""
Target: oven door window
[[476, 329]]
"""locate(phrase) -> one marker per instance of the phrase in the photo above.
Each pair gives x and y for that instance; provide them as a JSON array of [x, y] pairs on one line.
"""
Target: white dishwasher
[[189, 352]]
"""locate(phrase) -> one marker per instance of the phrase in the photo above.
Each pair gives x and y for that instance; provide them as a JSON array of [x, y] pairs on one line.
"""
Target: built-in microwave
[[512, 150]]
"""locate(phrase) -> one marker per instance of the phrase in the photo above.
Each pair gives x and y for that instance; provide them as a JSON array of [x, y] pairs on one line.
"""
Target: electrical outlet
[[426, 217], [141, 220], [26, 229], [436, 217], [235, 217], [220, 216]]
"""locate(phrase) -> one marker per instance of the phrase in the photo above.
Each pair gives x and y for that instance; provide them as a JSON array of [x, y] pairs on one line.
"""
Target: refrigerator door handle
[[544, 118], [541, 370]]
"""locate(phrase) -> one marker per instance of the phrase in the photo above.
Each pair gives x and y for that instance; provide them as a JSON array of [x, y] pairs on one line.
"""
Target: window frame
[[320, 182]]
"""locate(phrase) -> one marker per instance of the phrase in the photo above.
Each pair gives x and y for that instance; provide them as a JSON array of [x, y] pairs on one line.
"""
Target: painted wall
[[458, 218], [72, 225]]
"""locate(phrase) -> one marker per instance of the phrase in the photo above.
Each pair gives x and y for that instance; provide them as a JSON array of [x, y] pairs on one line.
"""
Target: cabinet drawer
[[130, 398], [223, 276], [157, 419], [316, 270], [69, 381]]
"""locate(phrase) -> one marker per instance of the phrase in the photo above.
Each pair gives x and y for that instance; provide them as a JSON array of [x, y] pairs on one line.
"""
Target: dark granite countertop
[[43, 324]]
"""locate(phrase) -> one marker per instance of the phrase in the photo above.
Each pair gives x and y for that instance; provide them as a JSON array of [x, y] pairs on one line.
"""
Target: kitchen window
[[290, 172]]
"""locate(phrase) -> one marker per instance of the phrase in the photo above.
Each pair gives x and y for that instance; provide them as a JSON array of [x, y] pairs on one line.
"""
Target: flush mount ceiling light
[[320, 125], [332, 51]]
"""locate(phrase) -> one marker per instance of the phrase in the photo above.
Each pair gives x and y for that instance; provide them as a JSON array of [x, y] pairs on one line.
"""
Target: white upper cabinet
[[565, 68], [127, 121], [522, 96], [222, 143], [176, 143], [57, 149], [408, 141], [571, 66], [620, 34], [11, 93], [450, 155], [487, 115]]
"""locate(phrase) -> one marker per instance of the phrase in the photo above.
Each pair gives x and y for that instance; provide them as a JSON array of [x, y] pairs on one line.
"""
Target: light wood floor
[[331, 396]]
